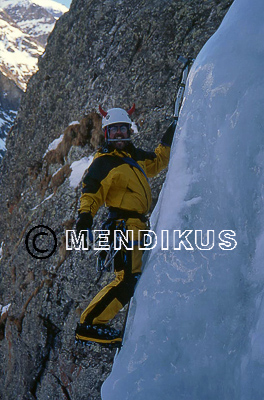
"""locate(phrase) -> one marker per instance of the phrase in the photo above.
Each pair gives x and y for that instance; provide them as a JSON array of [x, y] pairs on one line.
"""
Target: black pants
[[113, 297]]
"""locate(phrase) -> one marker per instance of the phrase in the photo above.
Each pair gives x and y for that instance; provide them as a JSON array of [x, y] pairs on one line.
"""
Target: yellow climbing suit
[[119, 179]]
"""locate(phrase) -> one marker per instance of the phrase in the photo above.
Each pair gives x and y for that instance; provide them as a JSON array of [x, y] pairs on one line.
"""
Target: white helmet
[[116, 116]]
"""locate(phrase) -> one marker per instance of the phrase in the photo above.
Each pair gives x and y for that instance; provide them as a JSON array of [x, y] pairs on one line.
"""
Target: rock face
[[113, 53]]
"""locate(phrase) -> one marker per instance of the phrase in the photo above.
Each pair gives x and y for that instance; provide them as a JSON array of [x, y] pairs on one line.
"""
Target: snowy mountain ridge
[[55, 8], [18, 52], [25, 26]]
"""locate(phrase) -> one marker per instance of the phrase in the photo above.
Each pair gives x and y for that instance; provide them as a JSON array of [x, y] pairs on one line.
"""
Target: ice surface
[[196, 325]]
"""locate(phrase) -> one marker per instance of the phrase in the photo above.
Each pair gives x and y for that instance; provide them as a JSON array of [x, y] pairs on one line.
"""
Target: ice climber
[[118, 177]]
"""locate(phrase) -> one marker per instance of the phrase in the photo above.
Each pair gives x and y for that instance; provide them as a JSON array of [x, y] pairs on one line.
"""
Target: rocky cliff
[[113, 53]]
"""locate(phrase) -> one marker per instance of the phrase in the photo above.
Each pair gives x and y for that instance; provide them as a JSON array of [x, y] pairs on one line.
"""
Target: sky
[[66, 3]]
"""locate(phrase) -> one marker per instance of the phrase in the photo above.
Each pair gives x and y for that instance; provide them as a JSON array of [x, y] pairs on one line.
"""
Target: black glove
[[168, 135], [84, 223]]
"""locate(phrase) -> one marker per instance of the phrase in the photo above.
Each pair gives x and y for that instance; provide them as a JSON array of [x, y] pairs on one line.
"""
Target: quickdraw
[[105, 258]]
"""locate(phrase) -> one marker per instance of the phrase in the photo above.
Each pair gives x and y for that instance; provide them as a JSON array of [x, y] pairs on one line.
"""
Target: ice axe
[[187, 63]]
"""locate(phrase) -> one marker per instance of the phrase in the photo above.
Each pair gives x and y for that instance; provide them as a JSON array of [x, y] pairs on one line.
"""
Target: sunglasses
[[114, 129]]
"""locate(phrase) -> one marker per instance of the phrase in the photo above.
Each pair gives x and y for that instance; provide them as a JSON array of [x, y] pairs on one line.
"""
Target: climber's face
[[118, 131]]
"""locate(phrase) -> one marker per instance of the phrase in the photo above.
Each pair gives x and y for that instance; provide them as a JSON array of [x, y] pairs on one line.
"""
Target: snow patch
[[74, 123], [2, 142], [4, 309], [53, 145], [47, 198], [134, 127], [78, 169], [1, 250]]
